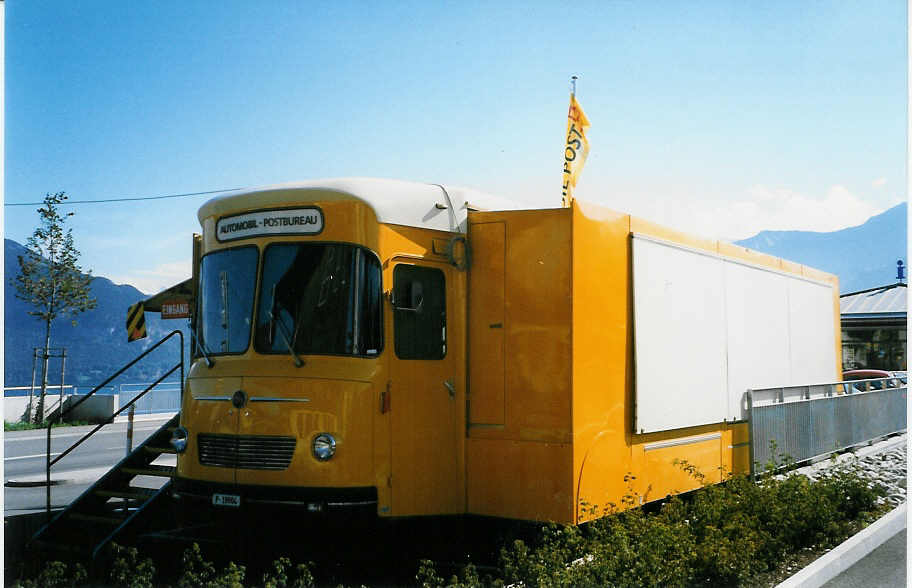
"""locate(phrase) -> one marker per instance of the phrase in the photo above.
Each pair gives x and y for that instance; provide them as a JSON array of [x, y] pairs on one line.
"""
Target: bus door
[[226, 293], [426, 392]]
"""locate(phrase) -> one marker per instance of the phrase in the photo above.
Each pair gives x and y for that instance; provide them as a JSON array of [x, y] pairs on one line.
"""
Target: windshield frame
[[198, 319], [262, 299]]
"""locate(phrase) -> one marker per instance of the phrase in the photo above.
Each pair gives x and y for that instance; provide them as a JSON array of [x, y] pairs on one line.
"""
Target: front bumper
[[362, 500]]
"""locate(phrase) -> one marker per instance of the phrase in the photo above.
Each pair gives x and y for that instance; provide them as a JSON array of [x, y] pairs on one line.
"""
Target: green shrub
[[545, 565], [722, 535], [55, 574], [127, 570], [277, 576], [635, 548], [427, 577], [196, 570], [231, 577]]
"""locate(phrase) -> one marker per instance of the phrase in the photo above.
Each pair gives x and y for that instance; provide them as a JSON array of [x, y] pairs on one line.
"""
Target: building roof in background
[[875, 303]]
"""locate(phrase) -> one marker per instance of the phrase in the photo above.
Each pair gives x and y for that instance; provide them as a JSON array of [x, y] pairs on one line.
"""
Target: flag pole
[[565, 198], [576, 147]]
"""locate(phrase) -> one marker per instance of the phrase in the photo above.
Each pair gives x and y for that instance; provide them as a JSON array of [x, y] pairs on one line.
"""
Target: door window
[[419, 312]]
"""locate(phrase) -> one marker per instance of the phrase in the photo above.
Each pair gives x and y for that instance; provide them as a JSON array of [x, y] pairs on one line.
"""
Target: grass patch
[[21, 426]]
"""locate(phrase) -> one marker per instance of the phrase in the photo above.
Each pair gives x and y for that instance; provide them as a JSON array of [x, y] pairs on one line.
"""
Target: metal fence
[[163, 398], [806, 422]]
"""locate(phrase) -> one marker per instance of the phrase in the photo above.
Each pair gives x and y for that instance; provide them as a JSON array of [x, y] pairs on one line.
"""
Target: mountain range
[[863, 257], [95, 347]]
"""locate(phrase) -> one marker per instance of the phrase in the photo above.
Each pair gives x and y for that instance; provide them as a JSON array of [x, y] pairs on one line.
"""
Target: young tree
[[51, 280]]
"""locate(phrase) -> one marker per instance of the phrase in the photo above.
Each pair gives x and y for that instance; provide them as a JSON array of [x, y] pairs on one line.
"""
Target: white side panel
[[757, 306], [707, 329], [680, 337], [811, 333]]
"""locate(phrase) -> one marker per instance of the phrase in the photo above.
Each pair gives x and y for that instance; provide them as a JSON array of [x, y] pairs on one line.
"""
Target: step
[[79, 516], [159, 450], [133, 493], [152, 470]]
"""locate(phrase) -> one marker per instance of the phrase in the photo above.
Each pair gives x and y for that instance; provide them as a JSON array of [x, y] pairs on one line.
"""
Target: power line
[[125, 199]]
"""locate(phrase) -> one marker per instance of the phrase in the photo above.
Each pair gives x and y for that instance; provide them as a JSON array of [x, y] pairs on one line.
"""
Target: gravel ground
[[882, 462]]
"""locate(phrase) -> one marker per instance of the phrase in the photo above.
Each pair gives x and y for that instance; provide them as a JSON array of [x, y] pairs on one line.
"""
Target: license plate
[[226, 500]]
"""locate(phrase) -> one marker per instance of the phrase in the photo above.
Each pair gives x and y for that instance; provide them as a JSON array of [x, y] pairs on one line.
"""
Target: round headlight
[[179, 439], [324, 446]]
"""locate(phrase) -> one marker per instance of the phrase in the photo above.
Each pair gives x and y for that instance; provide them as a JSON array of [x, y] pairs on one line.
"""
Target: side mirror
[[410, 297], [416, 296]]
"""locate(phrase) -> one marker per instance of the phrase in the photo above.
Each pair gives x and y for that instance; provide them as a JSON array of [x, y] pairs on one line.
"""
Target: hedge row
[[722, 535]]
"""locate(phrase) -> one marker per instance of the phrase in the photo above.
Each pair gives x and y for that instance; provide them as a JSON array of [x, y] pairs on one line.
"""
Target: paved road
[[885, 567], [24, 461]]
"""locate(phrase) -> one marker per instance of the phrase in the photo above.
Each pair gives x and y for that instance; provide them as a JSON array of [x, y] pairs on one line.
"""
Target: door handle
[[448, 384]]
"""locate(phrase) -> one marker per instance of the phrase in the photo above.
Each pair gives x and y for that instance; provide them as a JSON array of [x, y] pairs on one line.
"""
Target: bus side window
[[419, 312]]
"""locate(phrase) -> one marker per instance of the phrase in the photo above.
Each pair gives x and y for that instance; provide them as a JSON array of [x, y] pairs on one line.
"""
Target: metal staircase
[[125, 495], [114, 504]]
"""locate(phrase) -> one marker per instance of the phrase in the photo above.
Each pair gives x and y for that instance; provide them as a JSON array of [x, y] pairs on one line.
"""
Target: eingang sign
[[288, 221], [174, 309]]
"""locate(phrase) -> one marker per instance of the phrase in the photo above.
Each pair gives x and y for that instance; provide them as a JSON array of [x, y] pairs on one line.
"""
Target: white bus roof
[[413, 204]]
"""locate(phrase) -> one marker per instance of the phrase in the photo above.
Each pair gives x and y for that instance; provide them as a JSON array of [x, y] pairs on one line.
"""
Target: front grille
[[250, 452]]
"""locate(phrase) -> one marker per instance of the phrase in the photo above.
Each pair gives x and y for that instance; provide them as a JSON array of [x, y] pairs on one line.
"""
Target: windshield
[[319, 298], [227, 282]]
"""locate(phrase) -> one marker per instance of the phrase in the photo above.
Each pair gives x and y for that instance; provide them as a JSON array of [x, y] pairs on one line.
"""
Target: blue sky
[[722, 119]]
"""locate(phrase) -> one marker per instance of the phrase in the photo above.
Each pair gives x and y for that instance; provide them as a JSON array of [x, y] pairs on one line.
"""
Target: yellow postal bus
[[394, 348]]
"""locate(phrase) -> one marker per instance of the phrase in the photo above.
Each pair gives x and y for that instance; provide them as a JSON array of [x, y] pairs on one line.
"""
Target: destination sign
[[288, 221]]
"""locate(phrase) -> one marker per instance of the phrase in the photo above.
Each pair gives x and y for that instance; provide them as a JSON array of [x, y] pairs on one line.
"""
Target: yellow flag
[[576, 149]]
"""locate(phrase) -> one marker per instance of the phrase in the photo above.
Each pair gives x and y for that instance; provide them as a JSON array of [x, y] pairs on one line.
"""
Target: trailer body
[[586, 387]]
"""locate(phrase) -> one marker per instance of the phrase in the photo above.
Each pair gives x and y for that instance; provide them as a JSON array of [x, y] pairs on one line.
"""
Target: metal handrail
[[821, 384], [62, 412], [889, 382], [778, 394]]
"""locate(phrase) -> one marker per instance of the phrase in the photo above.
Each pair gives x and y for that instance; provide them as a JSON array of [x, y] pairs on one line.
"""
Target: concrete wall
[[95, 409], [14, 406]]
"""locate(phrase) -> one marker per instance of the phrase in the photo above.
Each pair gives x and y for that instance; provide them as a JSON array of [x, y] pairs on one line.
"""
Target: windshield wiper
[[275, 322], [200, 346], [297, 360]]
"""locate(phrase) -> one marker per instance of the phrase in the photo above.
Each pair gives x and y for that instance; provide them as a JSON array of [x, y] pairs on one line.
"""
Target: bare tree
[[51, 280]]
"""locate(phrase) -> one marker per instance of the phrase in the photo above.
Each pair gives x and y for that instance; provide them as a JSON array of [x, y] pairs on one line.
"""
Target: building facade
[[874, 328]]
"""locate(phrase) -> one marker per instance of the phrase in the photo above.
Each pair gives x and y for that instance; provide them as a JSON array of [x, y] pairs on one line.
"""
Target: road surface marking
[[30, 456], [7, 439]]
